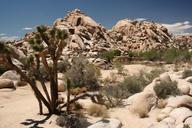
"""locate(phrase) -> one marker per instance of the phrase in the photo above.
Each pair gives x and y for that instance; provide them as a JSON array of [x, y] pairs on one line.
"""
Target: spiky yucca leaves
[[54, 38]]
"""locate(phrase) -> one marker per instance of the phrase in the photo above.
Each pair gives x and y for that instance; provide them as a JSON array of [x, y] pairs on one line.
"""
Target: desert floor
[[19, 108]]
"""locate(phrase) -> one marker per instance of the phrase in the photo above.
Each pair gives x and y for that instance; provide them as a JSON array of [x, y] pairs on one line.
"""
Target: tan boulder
[[183, 86], [179, 101], [179, 114], [142, 103], [6, 83], [61, 86]]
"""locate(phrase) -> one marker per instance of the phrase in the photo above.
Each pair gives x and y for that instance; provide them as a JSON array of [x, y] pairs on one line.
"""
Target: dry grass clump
[[98, 111]]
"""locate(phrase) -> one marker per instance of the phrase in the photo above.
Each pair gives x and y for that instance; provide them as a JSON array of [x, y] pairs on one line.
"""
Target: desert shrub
[[117, 91], [186, 73], [109, 55], [175, 55], [119, 67], [71, 121], [132, 53], [186, 126], [170, 55], [97, 111], [63, 66], [165, 89], [149, 77], [151, 55], [113, 95], [83, 74]]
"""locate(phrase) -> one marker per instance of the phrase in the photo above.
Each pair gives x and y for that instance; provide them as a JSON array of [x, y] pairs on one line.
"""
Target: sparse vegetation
[[169, 56], [109, 55], [71, 121], [151, 55], [98, 111], [83, 74], [165, 89], [115, 92], [119, 67]]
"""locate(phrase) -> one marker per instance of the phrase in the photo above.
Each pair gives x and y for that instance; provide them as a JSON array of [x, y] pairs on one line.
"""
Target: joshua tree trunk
[[54, 88]]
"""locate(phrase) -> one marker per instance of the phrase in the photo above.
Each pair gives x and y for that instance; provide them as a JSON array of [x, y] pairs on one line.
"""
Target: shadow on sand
[[34, 123]]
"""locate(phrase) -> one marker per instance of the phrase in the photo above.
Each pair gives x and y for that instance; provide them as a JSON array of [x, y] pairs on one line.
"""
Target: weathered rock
[[179, 101], [162, 125], [165, 78], [61, 86], [169, 120], [13, 76], [6, 83], [183, 86], [179, 114], [107, 123], [139, 35], [147, 99]]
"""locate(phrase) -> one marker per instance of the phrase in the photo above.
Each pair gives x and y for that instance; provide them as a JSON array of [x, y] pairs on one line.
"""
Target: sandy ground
[[19, 109]]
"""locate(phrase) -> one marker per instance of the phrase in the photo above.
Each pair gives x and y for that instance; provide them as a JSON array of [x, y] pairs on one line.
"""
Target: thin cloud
[[27, 28], [2, 34], [141, 19], [9, 38], [179, 28]]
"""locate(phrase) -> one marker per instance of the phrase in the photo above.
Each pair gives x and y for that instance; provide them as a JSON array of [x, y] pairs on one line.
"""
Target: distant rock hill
[[183, 41], [89, 38], [139, 35]]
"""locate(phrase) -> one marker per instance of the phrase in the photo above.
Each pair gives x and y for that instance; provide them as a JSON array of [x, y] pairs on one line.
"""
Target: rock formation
[[139, 35], [183, 41]]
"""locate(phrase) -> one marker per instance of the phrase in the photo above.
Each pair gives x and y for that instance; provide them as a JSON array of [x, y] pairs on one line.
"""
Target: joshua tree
[[46, 42]]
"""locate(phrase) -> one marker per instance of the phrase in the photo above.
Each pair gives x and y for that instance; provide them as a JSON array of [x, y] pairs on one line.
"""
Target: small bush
[[119, 67], [109, 55], [83, 74], [71, 121], [98, 111], [186, 73], [165, 89], [151, 55]]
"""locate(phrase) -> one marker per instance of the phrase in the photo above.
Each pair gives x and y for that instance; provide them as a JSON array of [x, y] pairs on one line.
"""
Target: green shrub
[[71, 121], [151, 55], [132, 54], [83, 74], [98, 111], [175, 55], [119, 67], [110, 55], [165, 89]]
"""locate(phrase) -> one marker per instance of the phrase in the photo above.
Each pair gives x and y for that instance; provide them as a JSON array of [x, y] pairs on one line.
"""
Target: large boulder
[[179, 101], [107, 123], [6, 83], [165, 77], [180, 114], [147, 99], [184, 86], [13, 76]]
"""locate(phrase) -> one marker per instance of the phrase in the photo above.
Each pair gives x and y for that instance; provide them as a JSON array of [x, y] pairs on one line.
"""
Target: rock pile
[[183, 41], [87, 37], [139, 35], [176, 111]]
